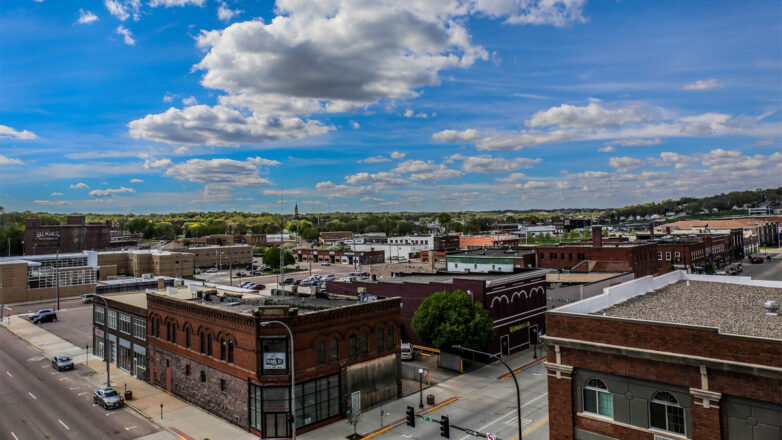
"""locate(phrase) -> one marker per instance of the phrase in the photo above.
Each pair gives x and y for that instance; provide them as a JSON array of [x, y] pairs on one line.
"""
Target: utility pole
[[230, 267], [57, 279]]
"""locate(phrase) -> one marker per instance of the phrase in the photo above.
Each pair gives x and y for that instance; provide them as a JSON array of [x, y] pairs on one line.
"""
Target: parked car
[[757, 260], [329, 277], [108, 398], [211, 270], [287, 281], [257, 286], [407, 353], [87, 298], [257, 271], [739, 268], [356, 273], [62, 362], [325, 263], [720, 272], [43, 315], [241, 274]]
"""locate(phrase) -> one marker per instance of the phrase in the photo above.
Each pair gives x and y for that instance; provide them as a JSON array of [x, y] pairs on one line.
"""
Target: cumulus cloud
[[332, 190], [56, 194], [110, 192], [225, 13], [127, 35], [592, 115], [219, 176], [379, 180], [189, 101], [86, 17], [174, 3], [635, 142], [375, 159], [9, 161], [532, 184], [625, 163], [408, 113], [123, 9], [355, 125], [157, 163], [558, 13], [512, 177], [51, 202], [702, 85], [136, 181], [261, 161], [426, 171], [7, 132], [80, 185], [397, 155], [607, 149], [467, 135], [489, 164]]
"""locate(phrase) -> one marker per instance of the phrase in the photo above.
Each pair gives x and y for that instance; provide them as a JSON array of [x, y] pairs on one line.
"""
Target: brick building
[[221, 256], [39, 277], [693, 252], [489, 241], [139, 262], [597, 256], [230, 239], [74, 236], [490, 260], [339, 257], [214, 351], [334, 237], [662, 358], [516, 302], [756, 231]]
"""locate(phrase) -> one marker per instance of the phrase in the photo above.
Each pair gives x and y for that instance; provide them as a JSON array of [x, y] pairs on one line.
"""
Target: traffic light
[[410, 416], [445, 427]]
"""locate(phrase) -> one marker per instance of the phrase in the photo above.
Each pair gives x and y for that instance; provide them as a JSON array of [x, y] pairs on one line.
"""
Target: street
[[41, 403]]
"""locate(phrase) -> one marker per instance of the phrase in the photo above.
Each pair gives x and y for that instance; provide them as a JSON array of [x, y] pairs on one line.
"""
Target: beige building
[[139, 262], [222, 256], [36, 278]]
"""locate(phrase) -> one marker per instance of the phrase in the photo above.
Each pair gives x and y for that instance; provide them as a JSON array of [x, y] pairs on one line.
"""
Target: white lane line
[[506, 415], [9, 374], [73, 388], [33, 396], [67, 378], [14, 436], [63, 424], [109, 413], [81, 394], [129, 428]]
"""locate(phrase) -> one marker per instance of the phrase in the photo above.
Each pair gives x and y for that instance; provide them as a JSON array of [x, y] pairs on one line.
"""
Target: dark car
[[257, 286], [757, 260], [108, 398], [44, 315], [241, 274], [62, 362], [287, 281]]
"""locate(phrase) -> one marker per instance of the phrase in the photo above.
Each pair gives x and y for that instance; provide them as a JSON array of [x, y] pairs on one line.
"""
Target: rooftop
[[587, 277], [449, 277], [491, 253], [730, 308]]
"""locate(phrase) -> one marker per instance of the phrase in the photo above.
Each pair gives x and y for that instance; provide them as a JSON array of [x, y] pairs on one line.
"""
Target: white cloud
[[489, 164], [421, 171], [355, 125], [532, 184], [220, 126], [635, 142], [702, 85], [86, 17], [56, 194], [607, 149], [189, 101], [123, 9], [558, 13], [159, 163], [110, 192], [409, 113], [7, 132], [331, 190], [764, 142], [80, 185], [397, 155], [592, 115], [375, 159], [625, 163], [379, 180], [261, 161], [219, 176], [512, 177], [136, 181], [370, 199], [225, 13], [169, 97], [127, 35], [467, 135], [174, 3], [9, 161], [51, 202], [529, 138]]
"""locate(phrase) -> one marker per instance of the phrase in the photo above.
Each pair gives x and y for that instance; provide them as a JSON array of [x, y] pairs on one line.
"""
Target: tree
[[449, 318], [271, 257], [444, 218]]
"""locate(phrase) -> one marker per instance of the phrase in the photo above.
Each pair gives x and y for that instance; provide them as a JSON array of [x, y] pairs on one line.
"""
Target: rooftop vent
[[771, 307]]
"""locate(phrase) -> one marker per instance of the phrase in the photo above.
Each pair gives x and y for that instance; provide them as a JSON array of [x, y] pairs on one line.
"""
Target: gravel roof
[[732, 308]]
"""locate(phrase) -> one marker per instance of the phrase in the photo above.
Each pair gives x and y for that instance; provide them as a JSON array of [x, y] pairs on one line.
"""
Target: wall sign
[[274, 360], [517, 327]]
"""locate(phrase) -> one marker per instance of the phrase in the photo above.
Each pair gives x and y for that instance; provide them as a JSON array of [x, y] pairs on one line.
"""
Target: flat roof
[[588, 277], [449, 277], [250, 302], [491, 253], [732, 308]]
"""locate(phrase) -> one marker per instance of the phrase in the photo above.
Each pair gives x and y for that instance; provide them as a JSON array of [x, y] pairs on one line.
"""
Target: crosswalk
[[514, 422]]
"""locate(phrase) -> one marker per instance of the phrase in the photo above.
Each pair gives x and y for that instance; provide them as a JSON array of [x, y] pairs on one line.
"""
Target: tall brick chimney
[[651, 231], [597, 236]]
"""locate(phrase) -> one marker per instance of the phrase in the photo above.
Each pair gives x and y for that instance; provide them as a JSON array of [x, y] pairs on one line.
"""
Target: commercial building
[[40, 277], [230, 239], [566, 288], [334, 237], [488, 241], [363, 258], [74, 236], [216, 351], [679, 356], [222, 256], [757, 231], [136, 263], [516, 302], [692, 252], [640, 258], [490, 261], [570, 224]]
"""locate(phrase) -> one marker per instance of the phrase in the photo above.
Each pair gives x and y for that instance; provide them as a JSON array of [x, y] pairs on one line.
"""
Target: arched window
[[173, 332], [187, 338], [353, 346], [597, 399], [665, 413], [157, 328], [230, 351], [223, 348], [168, 331], [202, 336], [209, 344], [321, 353], [381, 343], [390, 341], [334, 348], [364, 345]]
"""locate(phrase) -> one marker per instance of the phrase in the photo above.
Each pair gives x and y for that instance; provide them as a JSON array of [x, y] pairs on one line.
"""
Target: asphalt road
[[40, 403], [770, 271]]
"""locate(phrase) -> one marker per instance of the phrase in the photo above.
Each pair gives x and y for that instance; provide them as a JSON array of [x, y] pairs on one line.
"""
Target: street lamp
[[420, 387], [293, 375], [518, 391], [106, 336]]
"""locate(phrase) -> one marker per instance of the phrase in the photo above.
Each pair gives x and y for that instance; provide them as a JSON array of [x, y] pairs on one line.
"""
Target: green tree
[[449, 318], [137, 224], [271, 257], [444, 218]]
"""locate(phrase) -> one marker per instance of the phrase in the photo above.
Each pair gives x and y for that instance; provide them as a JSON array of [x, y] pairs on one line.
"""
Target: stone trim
[[559, 370], [707, 397]]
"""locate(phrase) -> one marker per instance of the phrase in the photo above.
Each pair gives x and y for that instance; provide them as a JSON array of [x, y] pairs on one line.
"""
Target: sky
[[120, 106]]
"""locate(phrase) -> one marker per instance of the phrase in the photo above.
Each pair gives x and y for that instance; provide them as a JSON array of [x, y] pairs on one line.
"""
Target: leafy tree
[[709, 268], [443, 218], [271, 257], [137, 224], [449, 318]]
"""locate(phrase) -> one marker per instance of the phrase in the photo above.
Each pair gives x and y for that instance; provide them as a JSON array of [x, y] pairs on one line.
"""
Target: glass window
[[542, 256], [275, 354], [124, 323], [187, 338], [99, 315], [381, 343], [659, 255], [202, 337], [334, 348], [597, 399], [390, 341], [223, 348], [364, 346], [230, 352], [665, 413], [140, 328], [321, 353], [317, 400], [113, 319], [353, 346]]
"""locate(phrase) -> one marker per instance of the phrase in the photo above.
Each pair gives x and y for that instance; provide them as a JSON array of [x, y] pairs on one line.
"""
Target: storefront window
[[317, 400]]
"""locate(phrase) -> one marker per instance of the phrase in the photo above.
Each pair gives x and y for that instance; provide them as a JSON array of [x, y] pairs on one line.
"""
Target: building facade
[[221, 256], [489, 261], [488, 241], [74, 236], [126, 317], [339, 257], [43, 277]]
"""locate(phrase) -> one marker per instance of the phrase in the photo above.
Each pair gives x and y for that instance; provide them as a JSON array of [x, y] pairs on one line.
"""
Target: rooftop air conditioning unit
[[146, 276]]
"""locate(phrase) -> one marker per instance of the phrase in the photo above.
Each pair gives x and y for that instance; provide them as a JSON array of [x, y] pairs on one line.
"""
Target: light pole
[[293, 375], [518, 391], [106, 335], [57, 279], [420, 387]]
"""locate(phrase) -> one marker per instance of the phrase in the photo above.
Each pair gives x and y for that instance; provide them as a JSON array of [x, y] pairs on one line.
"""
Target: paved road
[[767, 271], [40, 403]]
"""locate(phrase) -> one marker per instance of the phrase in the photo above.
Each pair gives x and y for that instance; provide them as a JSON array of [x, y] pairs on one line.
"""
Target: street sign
[[471, 432], [490, 436], [429, 419]]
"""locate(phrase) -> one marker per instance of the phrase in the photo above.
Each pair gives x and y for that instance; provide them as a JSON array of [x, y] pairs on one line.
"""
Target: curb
[[521, 368]]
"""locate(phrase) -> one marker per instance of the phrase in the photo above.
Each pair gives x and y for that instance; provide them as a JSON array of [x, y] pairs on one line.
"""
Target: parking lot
[[223, 277]]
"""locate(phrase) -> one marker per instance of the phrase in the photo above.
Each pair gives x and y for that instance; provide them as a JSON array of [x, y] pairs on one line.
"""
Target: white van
[[407, 351]]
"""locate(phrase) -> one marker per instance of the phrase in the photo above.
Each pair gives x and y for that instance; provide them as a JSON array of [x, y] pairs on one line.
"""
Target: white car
[[328, 277], [211, 270]]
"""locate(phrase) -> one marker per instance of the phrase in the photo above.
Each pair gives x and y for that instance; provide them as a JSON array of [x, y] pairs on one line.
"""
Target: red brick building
[[597, 256], [516, 302], [339, 257], [659, 358], [692, 252], [479, 241], [74, 236], [214, 351]]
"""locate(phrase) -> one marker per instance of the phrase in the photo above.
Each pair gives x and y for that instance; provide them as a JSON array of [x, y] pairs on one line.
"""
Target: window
[[353, 347], [139, 328], [390, 341], [542, 256], [223, 348], [209, 344], [659, 256], [317, 400], [334, 348], [553, 256], [168, 331], [597, 399], [580, 257], [665, 413], [677, 256], [230, 352], [157, 328], [113, 319], [381, 343], [203, 376], [222, 385], [202, 336], [570, 257], [364, 344], [99, 315], [187, 370], [667, 256], [321, 353], [187, 338]]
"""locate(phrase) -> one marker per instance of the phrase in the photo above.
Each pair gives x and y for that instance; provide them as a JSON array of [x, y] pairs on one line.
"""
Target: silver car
[[62, 362], [108, 398]]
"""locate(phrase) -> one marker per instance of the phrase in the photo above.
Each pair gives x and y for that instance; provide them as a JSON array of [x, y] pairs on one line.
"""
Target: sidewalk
[[181, 419]]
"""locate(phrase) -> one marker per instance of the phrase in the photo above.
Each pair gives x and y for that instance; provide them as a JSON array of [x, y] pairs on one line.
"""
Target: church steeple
[[296, 211]]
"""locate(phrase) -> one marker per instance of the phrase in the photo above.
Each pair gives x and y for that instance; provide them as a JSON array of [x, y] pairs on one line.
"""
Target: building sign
[[99, 332], [517, 327], [47, 235], [274, 360], [355, 401]]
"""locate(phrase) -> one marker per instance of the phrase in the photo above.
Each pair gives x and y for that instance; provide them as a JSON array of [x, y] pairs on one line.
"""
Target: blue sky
[[178, 105]]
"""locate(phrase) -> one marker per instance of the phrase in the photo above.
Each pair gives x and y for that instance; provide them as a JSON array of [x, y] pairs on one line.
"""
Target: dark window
[[157, 328], [381, 343], [562, 256], [665, 413], [231, 352], [203, 342], [209, 344], [353, 348], [222, 384], [597, 399], [203, 376], [553, 256], [390, 341], [168, 331], [173, 332], [319, 399], [542, 256], [222, 349], [321, 353], [580, 257], [187, 370], [187, 338], [334, 348], [570, 257], [364, 344], [168, 363]]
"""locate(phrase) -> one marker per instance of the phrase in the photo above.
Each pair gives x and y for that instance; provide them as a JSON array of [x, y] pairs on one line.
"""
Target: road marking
[[533, 427], [36, 359], [9, 374], [33, 396], [109, 413], [14, 436], [523, 367], [73, 388], [514, 421], [129, 428], [65, 378], [377, 433], [81, 394], [63, 424], [447, 402]]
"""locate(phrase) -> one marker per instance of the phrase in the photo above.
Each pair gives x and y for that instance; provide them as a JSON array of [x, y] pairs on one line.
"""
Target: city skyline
[[187, 105]]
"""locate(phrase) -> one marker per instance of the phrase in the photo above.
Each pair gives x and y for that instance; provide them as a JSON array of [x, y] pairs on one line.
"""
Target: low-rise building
[[490, 261], [43, 277], [136, 263], [488, 241], [338, 257], [75, 235], [329, 238], [222, 256], [679, 356]]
